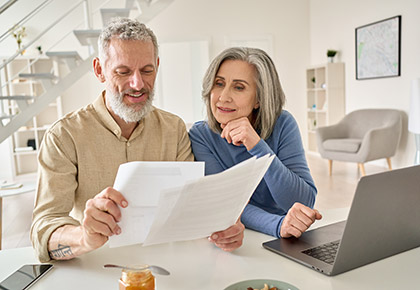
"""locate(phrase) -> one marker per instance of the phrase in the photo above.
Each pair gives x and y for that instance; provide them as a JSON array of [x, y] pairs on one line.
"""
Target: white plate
[[259, 284]]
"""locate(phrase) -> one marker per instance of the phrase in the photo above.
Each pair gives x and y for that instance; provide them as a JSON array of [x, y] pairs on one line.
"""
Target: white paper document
[[141, 183], [194, 209]]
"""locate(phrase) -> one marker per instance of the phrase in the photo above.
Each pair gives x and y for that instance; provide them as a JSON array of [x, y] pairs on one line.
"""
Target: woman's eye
[[239, 88], [218, 84]]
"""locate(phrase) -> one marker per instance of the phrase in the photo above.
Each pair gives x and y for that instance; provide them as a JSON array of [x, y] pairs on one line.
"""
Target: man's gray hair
[[269, 91], [124, 29]]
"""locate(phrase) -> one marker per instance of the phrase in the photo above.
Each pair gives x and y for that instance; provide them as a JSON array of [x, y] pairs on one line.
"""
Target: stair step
[[70, 58], [46, 79], [88, 37], [6, 117], [63, 54], [38, 76], [16, 98], [109, 13], [149, 9]]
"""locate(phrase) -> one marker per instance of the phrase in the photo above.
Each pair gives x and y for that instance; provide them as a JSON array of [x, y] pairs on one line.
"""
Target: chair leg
[[330, 167], [362, 168], [389, 163]]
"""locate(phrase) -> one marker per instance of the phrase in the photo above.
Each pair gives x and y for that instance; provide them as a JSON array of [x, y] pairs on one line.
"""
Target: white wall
[[83, 92], [285, 22], [300, 33], [282, 21], [39, 22], [178, 88], [332, 25]]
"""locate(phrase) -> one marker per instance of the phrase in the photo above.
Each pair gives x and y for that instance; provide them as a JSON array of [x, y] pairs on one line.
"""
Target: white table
[[26, 187], [199, 265]]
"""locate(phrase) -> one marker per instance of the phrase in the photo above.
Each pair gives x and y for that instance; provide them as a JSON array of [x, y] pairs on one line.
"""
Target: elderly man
[[81, 152]]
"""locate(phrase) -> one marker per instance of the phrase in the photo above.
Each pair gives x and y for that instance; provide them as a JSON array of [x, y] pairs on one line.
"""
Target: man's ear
[[98, 70]]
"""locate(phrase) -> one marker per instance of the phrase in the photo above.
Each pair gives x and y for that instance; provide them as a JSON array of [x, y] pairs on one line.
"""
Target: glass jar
[[137, 279]]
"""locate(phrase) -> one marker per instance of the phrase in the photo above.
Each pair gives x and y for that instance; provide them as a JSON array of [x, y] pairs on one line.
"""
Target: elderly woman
[[244, 100]]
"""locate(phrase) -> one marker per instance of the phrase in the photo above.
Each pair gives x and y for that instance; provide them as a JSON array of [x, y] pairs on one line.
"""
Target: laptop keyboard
[[325, 252]]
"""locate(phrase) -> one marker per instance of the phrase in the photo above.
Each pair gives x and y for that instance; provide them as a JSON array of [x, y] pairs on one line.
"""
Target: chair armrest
[[330, 132], [380, 143]]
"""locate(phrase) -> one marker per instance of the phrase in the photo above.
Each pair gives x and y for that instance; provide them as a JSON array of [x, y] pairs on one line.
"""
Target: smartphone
[[25, 276]]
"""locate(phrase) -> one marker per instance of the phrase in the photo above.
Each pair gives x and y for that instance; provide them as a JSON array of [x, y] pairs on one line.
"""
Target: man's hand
[[298, 219], [99, 223], [229, 239], [240, 131], [101, 216]]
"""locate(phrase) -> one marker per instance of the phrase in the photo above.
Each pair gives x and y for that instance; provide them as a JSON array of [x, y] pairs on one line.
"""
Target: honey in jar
[[137, 279]]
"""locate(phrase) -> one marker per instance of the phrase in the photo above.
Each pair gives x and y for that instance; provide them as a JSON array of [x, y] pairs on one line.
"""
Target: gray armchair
[[361, 136]]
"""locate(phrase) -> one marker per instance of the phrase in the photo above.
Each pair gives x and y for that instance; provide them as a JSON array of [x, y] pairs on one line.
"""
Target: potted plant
[[331, 54], [19, 34]]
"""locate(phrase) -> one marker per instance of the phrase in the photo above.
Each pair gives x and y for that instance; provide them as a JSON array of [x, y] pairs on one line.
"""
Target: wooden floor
[[334, 191]]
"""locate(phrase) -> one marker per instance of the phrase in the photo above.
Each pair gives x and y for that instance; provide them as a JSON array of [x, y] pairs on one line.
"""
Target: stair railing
[[25, 19], [87, 21], [6, 5], [54, 23], [38, 9], [54, 91]]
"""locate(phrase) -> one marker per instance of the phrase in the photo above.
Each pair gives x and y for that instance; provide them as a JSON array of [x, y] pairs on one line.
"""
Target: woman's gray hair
[[269, 91], [124, 29]]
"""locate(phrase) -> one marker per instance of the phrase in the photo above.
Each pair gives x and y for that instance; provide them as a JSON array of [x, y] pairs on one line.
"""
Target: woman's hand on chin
[[240, 131]]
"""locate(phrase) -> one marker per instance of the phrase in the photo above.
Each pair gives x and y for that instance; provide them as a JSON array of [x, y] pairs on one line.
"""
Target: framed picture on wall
[[378, 49]]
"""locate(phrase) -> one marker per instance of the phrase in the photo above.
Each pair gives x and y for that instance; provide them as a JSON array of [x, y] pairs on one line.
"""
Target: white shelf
[[23, 130], [25, 162], [317, 111], [316, 89], [43, 128], [325, 90], [33, 152], [22, 82]]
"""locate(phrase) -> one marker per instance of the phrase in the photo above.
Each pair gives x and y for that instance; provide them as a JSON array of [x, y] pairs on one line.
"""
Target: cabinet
[[25, 143], [325, 98]]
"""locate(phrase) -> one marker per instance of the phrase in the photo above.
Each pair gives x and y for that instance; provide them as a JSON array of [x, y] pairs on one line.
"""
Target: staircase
[[6, 5], [54, 86]]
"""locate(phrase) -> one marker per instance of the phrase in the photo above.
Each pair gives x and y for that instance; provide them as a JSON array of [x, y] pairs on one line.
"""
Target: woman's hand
[[240, 131], [298, 219], [229, 239]]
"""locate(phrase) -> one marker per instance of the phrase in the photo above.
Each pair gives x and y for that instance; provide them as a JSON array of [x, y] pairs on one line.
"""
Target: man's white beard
[[126, 112]]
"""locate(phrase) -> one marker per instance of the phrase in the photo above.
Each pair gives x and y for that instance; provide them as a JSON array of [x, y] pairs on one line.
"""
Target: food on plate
[[265, 288]]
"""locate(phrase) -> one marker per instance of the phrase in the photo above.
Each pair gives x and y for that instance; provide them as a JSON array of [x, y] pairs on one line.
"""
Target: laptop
[[384, 220]]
